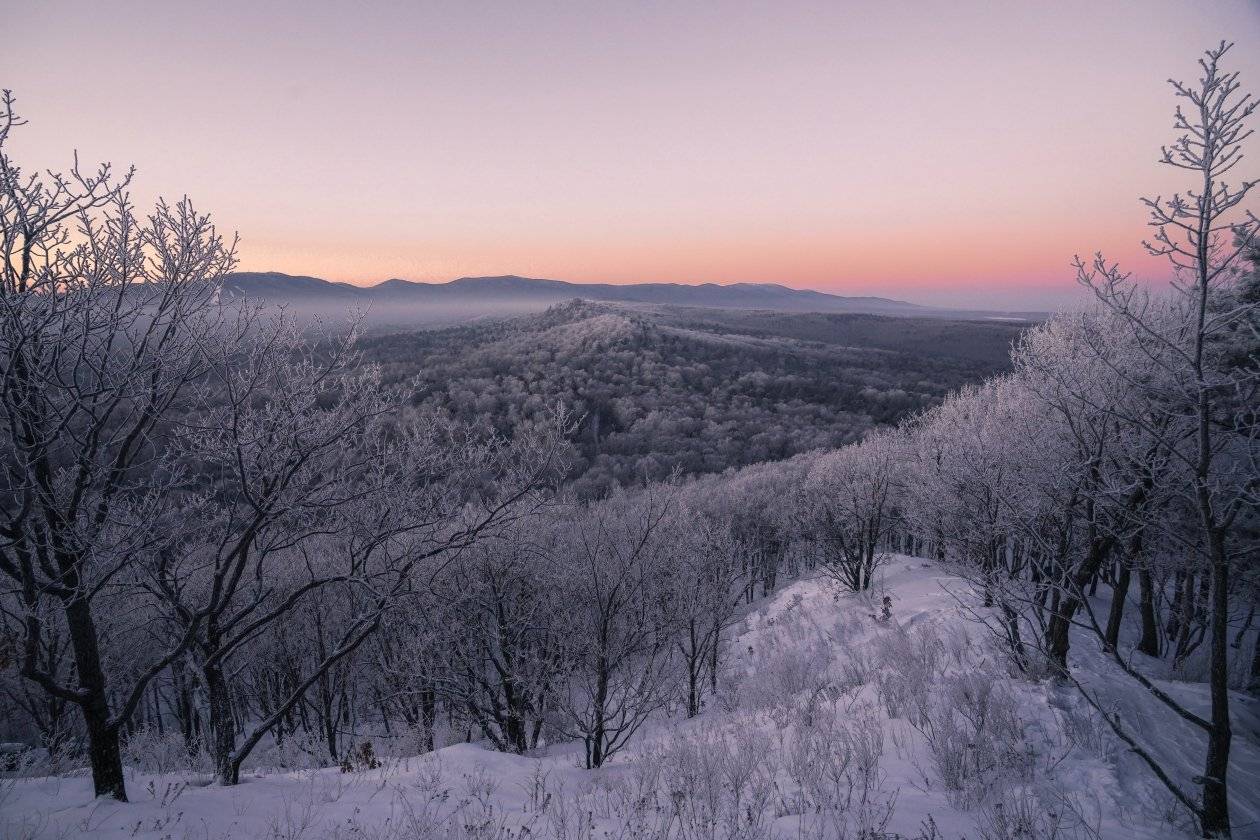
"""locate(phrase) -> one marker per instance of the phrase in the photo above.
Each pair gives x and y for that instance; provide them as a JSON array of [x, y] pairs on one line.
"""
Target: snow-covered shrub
[[856, 669], [362, 756], [298, 751], [913, 662], [406, 741], [22, 762], [959, 648], [151, 751], [835, 768], [900, 694], [1086, 729], [710, 783], [984, 703], [749, 769], [918, 648], [1021, 814], [730, 688], [846, 626], [975, 736], [787, 671]]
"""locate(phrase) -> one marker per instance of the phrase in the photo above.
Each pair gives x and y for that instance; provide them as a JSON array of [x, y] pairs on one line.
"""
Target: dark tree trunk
[[1057, 633], [1253, 684], [1014, 638], [595, 740], [713, 655], [222, 723], [695, 660], [1149, 643], [428, 713], [1174, 609], [186, 712], [104, 753], [1216, 767], [1119, 593], [1186, 621]]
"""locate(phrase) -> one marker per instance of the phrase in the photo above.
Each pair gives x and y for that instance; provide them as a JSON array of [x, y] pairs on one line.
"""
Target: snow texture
[[833, 722]]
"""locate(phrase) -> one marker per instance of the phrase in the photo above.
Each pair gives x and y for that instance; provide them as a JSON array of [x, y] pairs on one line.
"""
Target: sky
[[950, 153]]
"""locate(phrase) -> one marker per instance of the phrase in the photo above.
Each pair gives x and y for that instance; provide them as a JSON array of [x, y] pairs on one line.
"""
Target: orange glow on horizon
[[955, 155]]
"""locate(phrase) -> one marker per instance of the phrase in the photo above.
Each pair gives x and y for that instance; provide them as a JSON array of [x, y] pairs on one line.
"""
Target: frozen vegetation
[[832, 721], [259, 584]]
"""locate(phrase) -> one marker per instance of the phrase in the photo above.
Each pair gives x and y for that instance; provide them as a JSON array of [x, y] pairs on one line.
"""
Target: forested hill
[[661, 389], [400, 304]]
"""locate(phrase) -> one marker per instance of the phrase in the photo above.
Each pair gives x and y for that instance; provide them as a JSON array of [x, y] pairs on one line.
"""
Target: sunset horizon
[[837, 291], [951, 155]]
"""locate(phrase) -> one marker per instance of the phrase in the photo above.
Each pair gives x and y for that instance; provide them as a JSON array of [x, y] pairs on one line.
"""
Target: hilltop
[[665, 389]]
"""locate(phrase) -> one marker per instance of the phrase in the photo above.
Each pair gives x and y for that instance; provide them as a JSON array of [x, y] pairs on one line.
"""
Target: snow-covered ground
[[832, 723]]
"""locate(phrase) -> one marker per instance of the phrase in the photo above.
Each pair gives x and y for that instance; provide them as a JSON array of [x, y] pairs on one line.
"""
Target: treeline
[[654, 399]]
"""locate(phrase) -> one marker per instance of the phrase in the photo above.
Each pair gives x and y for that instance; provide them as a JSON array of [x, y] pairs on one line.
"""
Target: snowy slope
[[832, 723]]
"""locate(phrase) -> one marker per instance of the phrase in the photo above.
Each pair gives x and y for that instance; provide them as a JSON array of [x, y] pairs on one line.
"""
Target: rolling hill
[[401, 302], [659, 389]]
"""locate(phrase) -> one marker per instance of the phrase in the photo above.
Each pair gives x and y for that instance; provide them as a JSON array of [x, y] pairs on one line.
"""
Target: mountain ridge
[[276, 287]]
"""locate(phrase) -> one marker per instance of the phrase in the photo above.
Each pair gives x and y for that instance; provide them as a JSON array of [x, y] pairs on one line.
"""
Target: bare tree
[[286, 445], [705, 588], [1205, 234], [105, 319], [851, 494], [411, 505], [501, 630], [620, 628]]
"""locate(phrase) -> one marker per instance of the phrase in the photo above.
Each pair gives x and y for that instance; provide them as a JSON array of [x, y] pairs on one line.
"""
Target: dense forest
[[659, 390]]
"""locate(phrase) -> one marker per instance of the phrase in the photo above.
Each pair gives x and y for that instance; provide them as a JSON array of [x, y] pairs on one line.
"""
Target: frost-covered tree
[[108, 319], [502, 632], [851, 496], [620, 623], [705, 588], [1206, 234], [182, 476]]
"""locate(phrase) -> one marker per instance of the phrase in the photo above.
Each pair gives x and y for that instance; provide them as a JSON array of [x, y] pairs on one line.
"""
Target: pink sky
[[950, 153]]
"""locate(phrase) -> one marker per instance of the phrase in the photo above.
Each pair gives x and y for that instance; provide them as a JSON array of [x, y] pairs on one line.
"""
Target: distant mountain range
[[517, 293]]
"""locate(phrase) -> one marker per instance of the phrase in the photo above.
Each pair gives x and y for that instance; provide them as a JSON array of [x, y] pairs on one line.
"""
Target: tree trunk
[[1149, 643], [1185, 621], [428, 714], [1253, 684], [104, 753], [1216, 767], [713, 655], [222, 725], [1015, 638], [695, 658], [1119, 592], [1174, 609], [595, 740], [1057, 633]]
